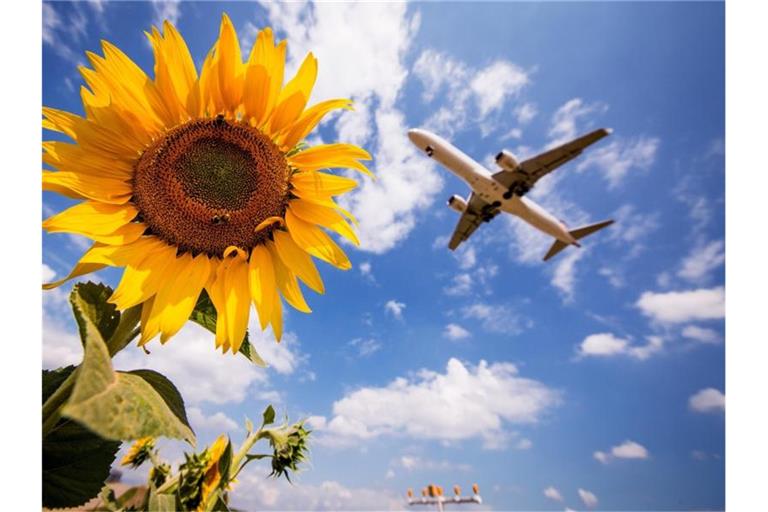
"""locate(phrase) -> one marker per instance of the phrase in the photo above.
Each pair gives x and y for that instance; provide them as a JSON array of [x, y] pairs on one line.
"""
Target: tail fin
[[577, 234]]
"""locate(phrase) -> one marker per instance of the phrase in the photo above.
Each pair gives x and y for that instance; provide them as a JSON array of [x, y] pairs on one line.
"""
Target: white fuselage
[[482, 183]]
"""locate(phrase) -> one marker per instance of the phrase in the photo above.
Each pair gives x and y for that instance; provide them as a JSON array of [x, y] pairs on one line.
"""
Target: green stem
[[52, 406], [233, 468]]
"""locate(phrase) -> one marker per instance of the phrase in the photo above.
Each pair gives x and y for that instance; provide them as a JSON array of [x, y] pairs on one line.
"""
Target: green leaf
[[248, 351], [76, 462], [161, 502], [52, 379], [269, 416], [167, 391], [204, 314], [90, 300], [118, 405]]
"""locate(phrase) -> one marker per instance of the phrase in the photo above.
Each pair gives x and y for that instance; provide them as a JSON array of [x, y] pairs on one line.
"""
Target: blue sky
[[593, 381]]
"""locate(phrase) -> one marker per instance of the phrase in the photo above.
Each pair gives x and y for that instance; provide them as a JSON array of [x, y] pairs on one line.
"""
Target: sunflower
[[202, 182]]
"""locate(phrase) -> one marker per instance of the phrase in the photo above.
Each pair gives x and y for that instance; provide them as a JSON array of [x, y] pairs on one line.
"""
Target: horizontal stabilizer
[[577, 234]]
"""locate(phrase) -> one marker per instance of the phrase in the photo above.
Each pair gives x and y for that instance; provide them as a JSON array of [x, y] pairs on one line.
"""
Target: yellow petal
[[313, 240], [298, 261], [143, 278], [271, 59], [323, 216], [277, 316], [216, 291], [126, 254], [286, 282], [230, 65], [322, 184], [294, 96], [178, 296], [80, 269], [175, 73], [104, 190], [107, 223], [328, 156], [261, 278], [148, 327], [238, 301], [308, 120]]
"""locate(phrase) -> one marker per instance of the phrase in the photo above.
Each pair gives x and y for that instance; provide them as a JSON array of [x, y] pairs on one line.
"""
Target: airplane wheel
[[507, 195]]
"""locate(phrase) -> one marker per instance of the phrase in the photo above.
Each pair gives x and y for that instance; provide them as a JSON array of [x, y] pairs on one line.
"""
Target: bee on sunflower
[[195, 182]]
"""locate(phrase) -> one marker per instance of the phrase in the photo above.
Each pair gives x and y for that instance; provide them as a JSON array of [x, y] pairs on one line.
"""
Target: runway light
[[456, 490], [475, 489], [424, 492], [439, 490], [410, 493]]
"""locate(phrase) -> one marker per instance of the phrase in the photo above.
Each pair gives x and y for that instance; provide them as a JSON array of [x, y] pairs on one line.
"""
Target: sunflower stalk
[[52, 407]]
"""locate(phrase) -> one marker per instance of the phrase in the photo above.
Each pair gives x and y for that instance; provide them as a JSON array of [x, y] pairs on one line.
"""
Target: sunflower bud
[[290, 448], [159, 474]]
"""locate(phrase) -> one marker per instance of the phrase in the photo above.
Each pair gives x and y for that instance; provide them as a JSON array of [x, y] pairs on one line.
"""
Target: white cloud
[[702, 260], [436, 70], [217, 422], [366, 270], [685, 306], [589, 499], [564, 275], [416, 463], [473, 96], [608, 345], [165, 10], [375, 38], [563, 127], [626, 450], [460, 285], [255, 492], [707, 400], [462, 403], [467, 256], [495, 83], [56, 28], [496, 318], [395, 308], [603, 344], [617, 158], [632, 228], [553, 494], [456, 332], [613, 276], [365, 347], [525, 113], [48, 273], [701, 334]]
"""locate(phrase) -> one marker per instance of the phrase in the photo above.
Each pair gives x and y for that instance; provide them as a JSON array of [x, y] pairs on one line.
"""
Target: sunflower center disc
[[208, 184]]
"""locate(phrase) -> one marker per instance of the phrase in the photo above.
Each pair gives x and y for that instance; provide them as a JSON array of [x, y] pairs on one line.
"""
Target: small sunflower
[[139, 452], [195, 182]]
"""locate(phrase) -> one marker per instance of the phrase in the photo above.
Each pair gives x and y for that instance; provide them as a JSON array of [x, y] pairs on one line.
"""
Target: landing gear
[[518, 189], [430, 151]]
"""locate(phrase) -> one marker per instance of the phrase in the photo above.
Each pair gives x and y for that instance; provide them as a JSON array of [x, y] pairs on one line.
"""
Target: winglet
[[577, 234]]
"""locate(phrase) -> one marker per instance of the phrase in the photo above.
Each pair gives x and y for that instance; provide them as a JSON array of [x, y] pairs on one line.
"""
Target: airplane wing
[[477, 212], [533, 169]]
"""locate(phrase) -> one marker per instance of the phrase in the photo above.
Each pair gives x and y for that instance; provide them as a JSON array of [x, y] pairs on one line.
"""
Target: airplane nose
[[413, 134]]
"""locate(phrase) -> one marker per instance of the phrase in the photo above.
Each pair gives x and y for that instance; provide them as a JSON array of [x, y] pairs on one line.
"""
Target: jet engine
[[457, 203], [506, 160]]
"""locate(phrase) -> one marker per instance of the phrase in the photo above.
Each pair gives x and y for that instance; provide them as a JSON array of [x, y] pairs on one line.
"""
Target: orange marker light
[[410, 493], [456, 490], [424, 492], [475, 489]]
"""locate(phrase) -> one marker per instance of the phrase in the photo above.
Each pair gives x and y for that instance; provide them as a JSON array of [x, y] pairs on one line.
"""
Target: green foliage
[[162, 502], [204, 314], [75, 460], [89, 300], [268, 416], [119, 405], [167, 391]]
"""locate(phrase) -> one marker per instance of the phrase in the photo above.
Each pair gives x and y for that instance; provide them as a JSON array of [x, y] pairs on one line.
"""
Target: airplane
[[505, 190]]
